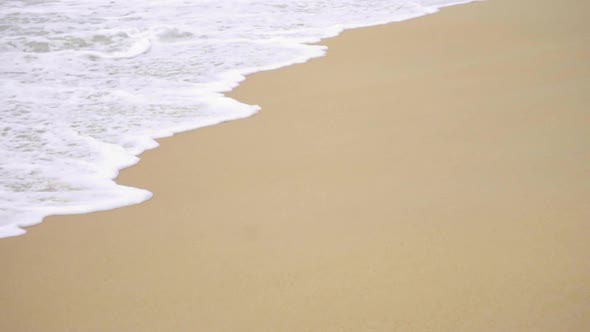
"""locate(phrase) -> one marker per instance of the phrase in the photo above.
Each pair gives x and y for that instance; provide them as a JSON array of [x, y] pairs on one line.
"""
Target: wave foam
[[87, 86]]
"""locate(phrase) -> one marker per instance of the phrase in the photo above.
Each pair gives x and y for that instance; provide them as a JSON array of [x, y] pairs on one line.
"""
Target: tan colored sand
[[432, 175]]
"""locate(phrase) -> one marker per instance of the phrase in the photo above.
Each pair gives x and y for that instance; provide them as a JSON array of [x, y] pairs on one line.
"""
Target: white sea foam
[[86, 86]]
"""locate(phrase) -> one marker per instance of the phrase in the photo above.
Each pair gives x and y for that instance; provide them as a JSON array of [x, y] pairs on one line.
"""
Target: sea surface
[[86, 86]]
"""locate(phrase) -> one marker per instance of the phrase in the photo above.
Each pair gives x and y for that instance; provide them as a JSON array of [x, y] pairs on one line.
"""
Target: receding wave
[[86, 86]]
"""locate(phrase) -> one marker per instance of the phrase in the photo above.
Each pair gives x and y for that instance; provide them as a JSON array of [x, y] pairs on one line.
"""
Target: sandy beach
[[428, 175]]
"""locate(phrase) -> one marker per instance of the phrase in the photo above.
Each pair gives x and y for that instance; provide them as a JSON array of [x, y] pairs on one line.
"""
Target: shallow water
[[85, 87]]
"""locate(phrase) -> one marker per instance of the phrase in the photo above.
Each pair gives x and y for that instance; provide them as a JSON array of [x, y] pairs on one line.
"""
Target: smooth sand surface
[[429, 175]]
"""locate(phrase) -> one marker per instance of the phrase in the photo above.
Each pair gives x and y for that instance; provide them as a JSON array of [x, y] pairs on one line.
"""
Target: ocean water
[[86, 86]]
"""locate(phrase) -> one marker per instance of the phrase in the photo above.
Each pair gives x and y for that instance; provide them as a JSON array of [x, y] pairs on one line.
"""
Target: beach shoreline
[[426, 175]]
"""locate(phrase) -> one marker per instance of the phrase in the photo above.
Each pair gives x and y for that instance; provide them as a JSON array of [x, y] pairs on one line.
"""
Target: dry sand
[[430, 175]]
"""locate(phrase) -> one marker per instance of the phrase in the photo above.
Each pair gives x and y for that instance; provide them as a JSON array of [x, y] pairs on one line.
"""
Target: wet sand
[[428, 175]]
